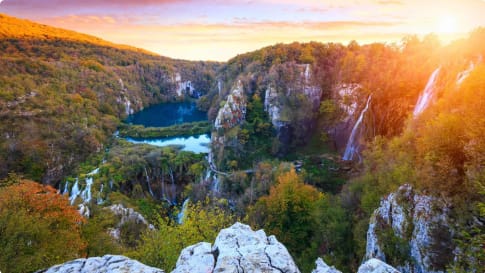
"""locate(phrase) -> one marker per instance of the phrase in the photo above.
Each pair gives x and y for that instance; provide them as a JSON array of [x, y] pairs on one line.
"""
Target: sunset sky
[[220, 29]]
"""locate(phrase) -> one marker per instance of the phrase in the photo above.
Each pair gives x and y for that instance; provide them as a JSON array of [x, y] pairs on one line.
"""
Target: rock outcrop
[[234, 110], [237, 249], [376, 266], [126, 215], [105, 264], [322, 267], [415, 222]]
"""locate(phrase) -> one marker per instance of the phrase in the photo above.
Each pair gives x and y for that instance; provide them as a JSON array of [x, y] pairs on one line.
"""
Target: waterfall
[[86, 193], [181, 215], [464, 74], [100, 200], [74, 192], [219, 86], [352, 147], [66, 188], [427, 94], [215, 185], [148, 182]]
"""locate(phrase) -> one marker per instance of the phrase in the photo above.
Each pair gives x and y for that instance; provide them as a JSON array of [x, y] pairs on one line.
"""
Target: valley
[[350, 155]]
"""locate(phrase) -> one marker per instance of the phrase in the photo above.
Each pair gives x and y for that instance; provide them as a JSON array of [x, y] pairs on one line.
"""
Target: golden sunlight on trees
[[287, 212], [38, 228], [161, 248]]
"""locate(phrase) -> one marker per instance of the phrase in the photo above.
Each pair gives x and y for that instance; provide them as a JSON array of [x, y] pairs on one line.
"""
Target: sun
[[447, 24]]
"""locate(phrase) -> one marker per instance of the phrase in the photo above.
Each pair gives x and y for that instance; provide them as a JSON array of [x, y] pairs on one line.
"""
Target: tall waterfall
[[427, 95], [464, 74], [148, 183], [211, 175], [181, 215], [352, 147]]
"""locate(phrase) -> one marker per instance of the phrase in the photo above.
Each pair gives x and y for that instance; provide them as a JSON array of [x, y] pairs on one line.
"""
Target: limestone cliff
[[237, 249], [234, 110], [105, 264], [414, 226]]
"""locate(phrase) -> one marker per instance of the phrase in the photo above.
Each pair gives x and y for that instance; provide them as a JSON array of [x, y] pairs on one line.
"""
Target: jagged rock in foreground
[[322, 267], [237, 249], [376, 266], [420, 222], [105, 264]]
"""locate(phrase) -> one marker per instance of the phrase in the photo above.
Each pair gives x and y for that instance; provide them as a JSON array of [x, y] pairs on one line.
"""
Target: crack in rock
[[270, 262]]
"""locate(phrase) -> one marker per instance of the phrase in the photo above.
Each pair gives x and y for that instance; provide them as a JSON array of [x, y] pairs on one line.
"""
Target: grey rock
[[376, 266], [412, 217], [105, 264], [237, 249], [322, 267]]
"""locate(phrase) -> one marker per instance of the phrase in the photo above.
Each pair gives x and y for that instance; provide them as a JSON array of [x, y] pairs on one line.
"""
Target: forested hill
[[62, 93]]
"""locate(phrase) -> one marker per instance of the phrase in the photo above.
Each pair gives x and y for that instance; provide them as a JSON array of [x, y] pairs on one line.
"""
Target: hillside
[[63, 93], [344, 152]]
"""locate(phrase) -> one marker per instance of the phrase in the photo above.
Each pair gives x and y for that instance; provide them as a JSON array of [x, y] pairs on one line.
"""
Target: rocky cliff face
[[126, 215], [414, 226], [234, 110], [237, 249], [299, 83], [105, 264]]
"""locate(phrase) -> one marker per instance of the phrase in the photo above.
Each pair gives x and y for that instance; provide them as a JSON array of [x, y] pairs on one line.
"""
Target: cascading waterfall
[[215, 183], [148, 183], [100, 200], [74, 192], [352, 147], [181, 215], [86, 193], [66, 188], [427, 95], [464, 74]]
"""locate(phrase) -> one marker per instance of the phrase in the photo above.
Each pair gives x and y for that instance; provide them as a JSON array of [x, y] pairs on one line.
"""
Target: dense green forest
[[64, 93], [61, 99]]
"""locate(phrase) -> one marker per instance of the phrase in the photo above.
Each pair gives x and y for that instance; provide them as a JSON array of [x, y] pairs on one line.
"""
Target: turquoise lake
[[167, 114]]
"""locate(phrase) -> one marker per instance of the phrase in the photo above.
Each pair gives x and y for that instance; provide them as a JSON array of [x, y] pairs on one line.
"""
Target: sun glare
[[447, 24]]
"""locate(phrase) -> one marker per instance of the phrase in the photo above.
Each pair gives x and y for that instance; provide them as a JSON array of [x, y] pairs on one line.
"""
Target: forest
[[64, 94]]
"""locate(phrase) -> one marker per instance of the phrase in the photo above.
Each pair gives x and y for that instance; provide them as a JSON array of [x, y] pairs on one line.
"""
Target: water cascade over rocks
[[183, 211], [428, 94], [464, 74], [76, 191], [353, 145]]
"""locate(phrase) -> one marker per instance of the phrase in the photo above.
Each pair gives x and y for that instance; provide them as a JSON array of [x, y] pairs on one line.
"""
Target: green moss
[[185, 129]]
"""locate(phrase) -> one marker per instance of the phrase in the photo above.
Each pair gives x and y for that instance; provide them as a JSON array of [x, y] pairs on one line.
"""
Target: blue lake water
[[196, 144], [166, 114]]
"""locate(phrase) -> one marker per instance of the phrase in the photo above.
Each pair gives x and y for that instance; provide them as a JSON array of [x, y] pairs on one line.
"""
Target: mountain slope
[[63, 93]]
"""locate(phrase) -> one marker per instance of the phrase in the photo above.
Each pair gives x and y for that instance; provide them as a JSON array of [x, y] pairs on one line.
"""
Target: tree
[[161, 248], [287, 212], [38, 228]]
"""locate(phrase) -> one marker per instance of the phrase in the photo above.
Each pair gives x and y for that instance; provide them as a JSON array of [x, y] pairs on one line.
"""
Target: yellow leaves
[[39, 226], [201, 222]]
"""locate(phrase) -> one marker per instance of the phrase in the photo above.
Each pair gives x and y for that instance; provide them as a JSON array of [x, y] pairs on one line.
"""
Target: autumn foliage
[[38, 228]]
